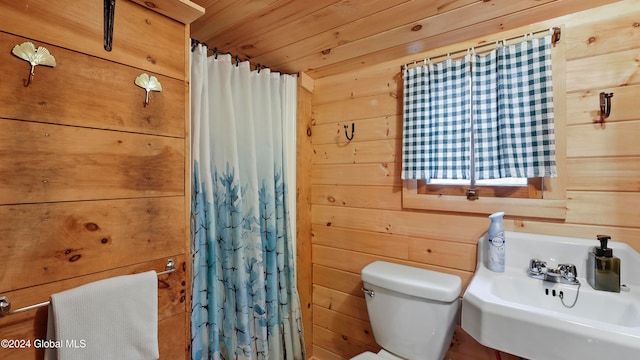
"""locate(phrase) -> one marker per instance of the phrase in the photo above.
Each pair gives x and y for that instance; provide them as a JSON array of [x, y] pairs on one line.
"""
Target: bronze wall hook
[[605, 106]]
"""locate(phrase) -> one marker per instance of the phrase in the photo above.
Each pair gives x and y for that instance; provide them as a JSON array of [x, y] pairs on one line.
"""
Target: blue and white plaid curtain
[[503, 98]]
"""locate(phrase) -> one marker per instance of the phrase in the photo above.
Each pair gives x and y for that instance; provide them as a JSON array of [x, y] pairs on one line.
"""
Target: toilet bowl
[[382, 355], [412, 311]]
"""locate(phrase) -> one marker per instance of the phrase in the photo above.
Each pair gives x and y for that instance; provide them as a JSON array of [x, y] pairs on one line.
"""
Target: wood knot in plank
[[416, 27], [91, 226]]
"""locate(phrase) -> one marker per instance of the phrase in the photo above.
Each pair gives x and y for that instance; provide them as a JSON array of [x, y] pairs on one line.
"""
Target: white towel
[[116, 318]]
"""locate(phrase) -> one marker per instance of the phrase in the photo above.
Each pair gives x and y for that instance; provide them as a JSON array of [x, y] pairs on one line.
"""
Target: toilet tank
[[412, 311]]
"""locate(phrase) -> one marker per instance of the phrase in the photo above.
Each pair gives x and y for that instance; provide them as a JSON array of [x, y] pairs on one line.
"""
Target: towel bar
[[5, 304]]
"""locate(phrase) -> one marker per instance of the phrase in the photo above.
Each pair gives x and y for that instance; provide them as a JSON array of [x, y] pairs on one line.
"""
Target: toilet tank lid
[[413, 281]]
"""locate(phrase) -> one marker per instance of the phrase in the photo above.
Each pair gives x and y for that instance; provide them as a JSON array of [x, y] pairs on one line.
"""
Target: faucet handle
[[568, 271], [537, 267]]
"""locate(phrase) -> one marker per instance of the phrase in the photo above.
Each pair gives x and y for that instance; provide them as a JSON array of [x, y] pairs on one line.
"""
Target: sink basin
[[526, 317]]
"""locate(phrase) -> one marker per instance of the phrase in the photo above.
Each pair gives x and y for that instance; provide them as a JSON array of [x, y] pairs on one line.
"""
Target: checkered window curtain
[[436, 121], [502, 101]]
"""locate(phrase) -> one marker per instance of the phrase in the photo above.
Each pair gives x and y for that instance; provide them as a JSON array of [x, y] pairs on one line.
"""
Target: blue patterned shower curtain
[[244, 301]]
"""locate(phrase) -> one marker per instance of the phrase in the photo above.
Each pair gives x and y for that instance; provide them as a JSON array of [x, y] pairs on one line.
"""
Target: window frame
[[533, 189], [551, 204]]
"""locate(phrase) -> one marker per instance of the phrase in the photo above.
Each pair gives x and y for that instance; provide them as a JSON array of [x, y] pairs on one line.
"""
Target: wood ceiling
[[327, 37]]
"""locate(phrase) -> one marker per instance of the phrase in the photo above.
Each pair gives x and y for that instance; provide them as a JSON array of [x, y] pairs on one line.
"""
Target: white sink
[[520, 315]]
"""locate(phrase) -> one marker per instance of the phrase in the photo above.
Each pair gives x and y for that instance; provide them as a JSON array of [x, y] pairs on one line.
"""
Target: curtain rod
[[555, 37], [195, 43]]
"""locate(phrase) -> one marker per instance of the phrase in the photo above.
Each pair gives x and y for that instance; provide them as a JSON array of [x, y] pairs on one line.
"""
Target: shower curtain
[[244, 301]]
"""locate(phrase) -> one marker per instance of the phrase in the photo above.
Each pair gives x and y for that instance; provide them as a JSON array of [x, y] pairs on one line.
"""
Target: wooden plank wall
[[357, 215], [92, 183]]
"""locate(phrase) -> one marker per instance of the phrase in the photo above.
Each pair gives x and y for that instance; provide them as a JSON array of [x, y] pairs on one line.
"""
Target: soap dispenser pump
[[603, 269]]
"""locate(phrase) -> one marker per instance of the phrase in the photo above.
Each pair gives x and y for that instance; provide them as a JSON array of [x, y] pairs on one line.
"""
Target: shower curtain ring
[[346, 127]]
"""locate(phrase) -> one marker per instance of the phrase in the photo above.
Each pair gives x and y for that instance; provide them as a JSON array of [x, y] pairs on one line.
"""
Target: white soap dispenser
[[496, 243]]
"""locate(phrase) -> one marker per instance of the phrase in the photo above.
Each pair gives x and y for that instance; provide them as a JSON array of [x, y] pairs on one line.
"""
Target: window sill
[[529, 208]]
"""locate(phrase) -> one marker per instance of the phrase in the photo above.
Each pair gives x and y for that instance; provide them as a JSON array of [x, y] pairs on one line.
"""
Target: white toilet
[[412, 311]]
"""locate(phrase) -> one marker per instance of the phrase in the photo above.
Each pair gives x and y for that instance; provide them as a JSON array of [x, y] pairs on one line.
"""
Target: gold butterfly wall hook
[[41, 56]]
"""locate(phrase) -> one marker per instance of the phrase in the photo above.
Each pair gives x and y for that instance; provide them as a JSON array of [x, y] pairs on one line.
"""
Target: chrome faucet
[[537, 269], [564, 273], [569, 273]]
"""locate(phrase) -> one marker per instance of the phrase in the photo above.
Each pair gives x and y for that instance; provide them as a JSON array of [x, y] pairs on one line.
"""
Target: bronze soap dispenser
[[603, 269]]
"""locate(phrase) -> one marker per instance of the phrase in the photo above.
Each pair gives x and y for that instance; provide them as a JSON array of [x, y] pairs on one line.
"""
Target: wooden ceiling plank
[[326, 20], [224, 15], [399, 15], [279, 14], [439, 24], [326, 37], [407, 52], [448, 5], [206, 3]]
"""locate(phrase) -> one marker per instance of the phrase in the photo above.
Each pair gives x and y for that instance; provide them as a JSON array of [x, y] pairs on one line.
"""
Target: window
[[444, 145]]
